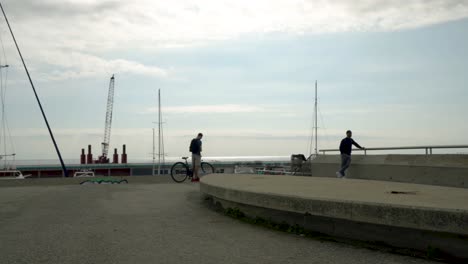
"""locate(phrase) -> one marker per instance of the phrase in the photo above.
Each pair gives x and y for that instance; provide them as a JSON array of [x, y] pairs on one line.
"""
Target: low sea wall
[[441, 170], [133, 169]]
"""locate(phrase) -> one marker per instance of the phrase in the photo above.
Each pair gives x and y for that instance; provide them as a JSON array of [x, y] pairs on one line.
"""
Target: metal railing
[[427, 148]]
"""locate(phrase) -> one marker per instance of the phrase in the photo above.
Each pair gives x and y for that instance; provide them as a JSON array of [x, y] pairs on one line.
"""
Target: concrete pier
[[398, 214], [149, 220]]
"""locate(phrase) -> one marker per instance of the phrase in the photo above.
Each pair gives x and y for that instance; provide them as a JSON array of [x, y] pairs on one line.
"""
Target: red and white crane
[[107, 129]]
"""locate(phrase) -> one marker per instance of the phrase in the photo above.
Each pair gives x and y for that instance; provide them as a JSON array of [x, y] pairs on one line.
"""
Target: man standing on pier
[[196, 148], [345, 149]]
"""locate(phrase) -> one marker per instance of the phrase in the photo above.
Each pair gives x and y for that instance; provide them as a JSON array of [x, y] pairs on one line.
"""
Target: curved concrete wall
[[430, 217], [442, 170]]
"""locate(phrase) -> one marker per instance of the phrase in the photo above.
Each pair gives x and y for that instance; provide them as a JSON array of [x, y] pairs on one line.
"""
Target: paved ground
[[147, 223]]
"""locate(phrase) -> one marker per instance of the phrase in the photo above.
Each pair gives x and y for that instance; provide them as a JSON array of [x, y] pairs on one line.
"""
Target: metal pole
[[3, 120], [154, 152], [316, 121], [159, 131], [163, 152], [65, 172]]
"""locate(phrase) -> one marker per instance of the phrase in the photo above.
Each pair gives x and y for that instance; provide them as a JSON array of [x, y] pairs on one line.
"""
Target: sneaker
[[195, 180], [338, 174]]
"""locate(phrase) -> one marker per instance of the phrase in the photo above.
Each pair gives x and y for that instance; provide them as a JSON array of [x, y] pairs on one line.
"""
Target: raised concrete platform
[[398, 214]]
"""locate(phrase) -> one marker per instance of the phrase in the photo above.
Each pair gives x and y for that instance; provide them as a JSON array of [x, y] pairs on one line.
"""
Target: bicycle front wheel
[[179, 172], [207, 168]]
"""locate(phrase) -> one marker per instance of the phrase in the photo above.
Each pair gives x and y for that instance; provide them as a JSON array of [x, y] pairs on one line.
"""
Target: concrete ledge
[[440, 170], [434, 161], [427, 216]]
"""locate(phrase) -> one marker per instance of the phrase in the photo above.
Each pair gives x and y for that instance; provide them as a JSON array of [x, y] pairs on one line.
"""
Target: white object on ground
[[83, 173]]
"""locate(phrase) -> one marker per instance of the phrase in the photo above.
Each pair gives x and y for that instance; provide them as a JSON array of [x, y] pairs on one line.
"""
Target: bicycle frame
[[190, 170]]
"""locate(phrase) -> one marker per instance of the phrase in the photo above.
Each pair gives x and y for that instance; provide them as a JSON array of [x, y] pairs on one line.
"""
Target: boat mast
[[154, 153], [159, 132], [64, 169], [316, 121], [2, 95]]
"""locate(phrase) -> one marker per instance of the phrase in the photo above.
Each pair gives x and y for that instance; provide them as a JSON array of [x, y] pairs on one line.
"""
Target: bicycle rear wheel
[[179, 172], [207, 168]]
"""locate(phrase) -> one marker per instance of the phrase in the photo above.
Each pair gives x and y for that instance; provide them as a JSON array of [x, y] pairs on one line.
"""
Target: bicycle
[[181, 171]]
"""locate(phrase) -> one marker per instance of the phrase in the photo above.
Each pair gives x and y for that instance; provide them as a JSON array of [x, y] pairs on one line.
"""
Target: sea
[[168, 160]]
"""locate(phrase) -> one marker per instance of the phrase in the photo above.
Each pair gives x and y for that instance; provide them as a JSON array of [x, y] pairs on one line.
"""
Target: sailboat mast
[[159, 131], [154, 153], [64, 169], [316, 121], [2, 95]]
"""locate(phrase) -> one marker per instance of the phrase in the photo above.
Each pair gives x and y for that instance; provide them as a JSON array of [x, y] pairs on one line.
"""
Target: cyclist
[[196, 148]]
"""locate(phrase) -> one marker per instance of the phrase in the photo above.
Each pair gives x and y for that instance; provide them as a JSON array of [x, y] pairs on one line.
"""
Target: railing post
[[426, 151], [365, 152], [430, 150]]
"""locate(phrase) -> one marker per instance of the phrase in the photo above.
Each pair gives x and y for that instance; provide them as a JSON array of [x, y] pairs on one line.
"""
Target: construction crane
[[107, 130]]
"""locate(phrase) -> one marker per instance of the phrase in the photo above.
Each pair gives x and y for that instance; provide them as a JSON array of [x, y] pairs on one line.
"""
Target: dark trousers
[[345, 163]]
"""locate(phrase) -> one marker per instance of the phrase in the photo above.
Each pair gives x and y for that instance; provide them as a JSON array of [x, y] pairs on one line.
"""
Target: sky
[[241, 72]]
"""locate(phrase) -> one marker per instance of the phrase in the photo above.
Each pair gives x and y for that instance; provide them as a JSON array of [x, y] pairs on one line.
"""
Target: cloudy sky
[[241, 72]]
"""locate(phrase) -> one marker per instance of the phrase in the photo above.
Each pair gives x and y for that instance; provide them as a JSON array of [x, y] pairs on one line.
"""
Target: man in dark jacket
[[345, 149], [196, 148]]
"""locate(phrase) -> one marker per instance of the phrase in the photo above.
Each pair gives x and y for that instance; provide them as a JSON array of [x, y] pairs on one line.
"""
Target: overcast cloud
[[73, 34], [246, 66]]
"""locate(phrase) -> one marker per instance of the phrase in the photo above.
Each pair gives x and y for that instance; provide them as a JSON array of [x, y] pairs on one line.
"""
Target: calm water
[[146, 160]]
